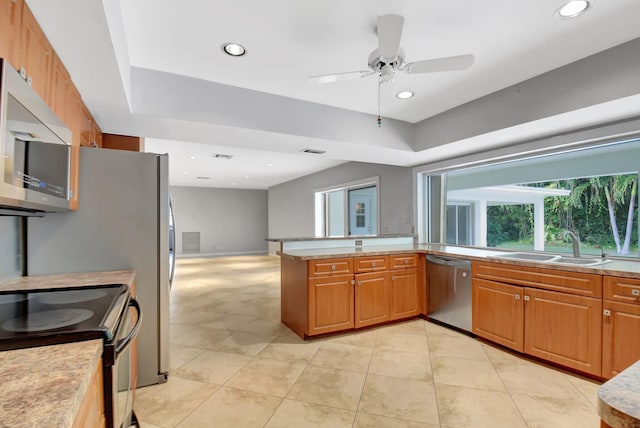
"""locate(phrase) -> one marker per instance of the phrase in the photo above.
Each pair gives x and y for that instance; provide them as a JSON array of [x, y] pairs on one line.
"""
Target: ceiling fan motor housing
[[386, 67]]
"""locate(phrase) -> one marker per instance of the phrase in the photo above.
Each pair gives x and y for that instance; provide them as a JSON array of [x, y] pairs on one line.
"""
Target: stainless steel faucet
[[575, 240]]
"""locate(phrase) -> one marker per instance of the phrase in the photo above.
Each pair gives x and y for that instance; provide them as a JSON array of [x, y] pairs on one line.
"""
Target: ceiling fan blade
[[329, 78], [389, 34], [452, 63]]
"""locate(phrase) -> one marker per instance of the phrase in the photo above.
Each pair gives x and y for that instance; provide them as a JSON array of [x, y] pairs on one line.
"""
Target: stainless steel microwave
[[35, 149]]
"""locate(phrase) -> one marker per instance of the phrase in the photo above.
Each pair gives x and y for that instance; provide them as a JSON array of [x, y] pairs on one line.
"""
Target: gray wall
[[9, 249], [230, 221], [606, 76], [291, 204]]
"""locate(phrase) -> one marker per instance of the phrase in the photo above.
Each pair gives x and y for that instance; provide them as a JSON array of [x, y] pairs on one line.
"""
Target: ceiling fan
[[389, 57]]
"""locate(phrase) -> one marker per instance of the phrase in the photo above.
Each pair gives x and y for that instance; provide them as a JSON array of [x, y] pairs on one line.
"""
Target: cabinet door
[[563, 328], [10, 28], [372, 298], [330, 304], [403, 301], [59, 88], [36, 54], [498, 313], [620, 333]]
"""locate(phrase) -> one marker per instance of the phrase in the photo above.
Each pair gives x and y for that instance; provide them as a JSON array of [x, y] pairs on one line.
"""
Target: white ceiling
[[155, 68]]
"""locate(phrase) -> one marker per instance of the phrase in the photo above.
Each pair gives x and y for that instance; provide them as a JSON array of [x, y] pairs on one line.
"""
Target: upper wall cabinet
[[60, 87], [10, 24], [36, 55]]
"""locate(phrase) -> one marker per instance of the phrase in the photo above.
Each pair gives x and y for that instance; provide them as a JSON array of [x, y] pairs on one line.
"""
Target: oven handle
[[124, 343]]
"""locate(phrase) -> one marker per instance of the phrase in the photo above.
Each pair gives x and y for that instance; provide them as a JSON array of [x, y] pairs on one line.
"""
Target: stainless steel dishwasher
[[449, 291]]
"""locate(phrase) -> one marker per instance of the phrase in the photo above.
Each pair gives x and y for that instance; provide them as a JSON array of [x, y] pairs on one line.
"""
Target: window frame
[[321, 210]]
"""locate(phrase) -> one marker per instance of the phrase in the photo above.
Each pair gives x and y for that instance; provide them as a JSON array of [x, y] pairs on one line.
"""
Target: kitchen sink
[[528, 256], [554, 259], [581, 261]]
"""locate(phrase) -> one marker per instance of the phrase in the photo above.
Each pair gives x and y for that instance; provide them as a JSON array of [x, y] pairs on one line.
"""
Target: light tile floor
[[233, 364]]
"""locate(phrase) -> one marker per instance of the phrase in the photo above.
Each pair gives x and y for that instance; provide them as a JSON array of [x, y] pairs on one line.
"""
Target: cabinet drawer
[[401, 261], [583, 284], [371, 264], [324, 267], [625, 290]]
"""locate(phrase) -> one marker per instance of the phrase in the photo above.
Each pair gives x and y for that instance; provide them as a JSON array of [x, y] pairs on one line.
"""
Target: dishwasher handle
[[449, 261]]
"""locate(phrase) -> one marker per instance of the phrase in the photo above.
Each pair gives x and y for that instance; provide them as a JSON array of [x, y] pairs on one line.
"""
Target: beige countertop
[[624, 268], [69, 280], [619, 399], [43, 386]]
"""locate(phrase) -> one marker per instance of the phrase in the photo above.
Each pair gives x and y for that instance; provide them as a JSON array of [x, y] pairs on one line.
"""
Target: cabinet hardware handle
[[333, 267], [517, 296], [635, 292], [359, 282], [606, 312], [353, 281], [393, 278], [526, 298], [373, 264]]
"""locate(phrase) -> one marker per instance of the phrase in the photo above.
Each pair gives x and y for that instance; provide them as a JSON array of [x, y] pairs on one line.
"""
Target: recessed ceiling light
[[185, 172], [233, 49], [233, 184], [269, 164], [573, 8], [403, 95], [246, 176], [192, 157]]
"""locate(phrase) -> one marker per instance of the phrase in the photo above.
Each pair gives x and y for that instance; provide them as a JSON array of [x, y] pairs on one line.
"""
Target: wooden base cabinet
[[329, 295], [498, 313], [330, 304], [404, 294], [371, 298], [564, 328], [620, 337], [620, 324], [523, 309]]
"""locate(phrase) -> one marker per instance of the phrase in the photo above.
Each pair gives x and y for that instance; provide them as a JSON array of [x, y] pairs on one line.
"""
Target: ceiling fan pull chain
[[379, 121]]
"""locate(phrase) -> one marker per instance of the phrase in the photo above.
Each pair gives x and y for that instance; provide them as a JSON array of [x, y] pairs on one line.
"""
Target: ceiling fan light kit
[[389, 58]]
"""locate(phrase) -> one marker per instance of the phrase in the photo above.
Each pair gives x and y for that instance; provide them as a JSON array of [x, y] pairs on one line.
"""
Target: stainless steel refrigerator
[[122, 223]]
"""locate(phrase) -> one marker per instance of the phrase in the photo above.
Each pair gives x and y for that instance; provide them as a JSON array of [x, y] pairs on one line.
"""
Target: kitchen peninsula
[[329, 289]]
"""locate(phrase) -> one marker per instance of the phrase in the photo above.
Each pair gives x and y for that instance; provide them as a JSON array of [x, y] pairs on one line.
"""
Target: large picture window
[[529, 204]]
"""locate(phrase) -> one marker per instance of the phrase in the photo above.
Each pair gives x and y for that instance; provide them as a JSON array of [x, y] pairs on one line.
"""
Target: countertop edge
[[620, 268], [618, 399]]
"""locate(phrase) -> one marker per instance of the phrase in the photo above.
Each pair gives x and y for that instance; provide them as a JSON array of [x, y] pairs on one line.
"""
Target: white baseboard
[[239, 253]]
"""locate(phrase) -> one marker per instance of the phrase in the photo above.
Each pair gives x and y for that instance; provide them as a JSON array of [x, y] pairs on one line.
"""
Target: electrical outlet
[[358, 241]]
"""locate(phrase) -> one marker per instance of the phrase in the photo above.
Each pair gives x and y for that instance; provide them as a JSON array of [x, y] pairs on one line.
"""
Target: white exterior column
[[538, 225], [480, 223]]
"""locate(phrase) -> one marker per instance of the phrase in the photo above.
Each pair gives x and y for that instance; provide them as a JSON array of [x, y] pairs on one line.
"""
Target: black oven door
[[118, 377]]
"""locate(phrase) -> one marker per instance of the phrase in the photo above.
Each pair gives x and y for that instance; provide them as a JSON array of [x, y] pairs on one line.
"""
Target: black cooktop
[[53, 316]]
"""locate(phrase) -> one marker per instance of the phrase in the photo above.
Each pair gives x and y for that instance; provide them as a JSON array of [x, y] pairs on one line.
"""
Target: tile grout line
[[526, 423]]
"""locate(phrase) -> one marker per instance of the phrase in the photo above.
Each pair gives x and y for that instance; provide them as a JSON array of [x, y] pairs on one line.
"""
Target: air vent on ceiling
[[314, 151], [203, 178], [222, 156]]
